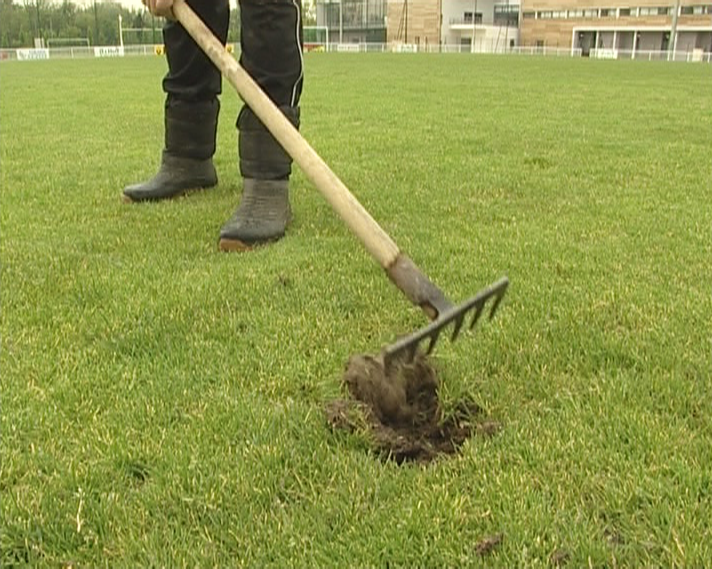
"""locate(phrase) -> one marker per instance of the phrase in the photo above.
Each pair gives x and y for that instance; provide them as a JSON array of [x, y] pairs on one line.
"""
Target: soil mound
[[401, 410]]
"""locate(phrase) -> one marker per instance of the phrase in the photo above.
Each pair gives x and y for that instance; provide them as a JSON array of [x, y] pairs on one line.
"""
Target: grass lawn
[[162, 402]]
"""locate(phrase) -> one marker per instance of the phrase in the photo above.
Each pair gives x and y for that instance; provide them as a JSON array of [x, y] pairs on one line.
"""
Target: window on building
[[468, 18], [506, 16], [624, 12], [590, 13], [608, 12], [540, 43], [546, 15], [575, 13], [558, 14], [698, 10], [528, 15], [653, 11], [506, 9], [685, 10]]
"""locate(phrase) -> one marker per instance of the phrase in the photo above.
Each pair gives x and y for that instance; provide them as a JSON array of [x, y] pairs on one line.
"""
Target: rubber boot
[[186, 161], [262, 216], [264, 211]]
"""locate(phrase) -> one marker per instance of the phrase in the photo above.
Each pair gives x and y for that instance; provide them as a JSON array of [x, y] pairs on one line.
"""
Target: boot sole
[[230, 245], [183, 193], [234, 245]]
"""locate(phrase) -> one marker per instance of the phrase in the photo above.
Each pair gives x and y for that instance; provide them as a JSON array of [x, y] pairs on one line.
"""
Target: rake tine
[[478, 313], [433, 340], [495, 304], [458, 325], [411, 351]]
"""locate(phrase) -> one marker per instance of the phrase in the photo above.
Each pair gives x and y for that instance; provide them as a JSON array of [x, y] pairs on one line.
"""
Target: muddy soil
[[400, 409]]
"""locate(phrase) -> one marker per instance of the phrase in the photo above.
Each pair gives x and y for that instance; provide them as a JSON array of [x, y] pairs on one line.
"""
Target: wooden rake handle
[[376, 241]]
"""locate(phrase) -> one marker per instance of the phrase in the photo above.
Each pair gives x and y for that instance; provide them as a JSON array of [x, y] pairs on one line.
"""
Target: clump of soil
[[401, 410], [560, 557], [489, 544]]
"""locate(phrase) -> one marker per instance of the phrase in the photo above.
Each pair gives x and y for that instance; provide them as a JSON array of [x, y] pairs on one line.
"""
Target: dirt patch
[[488, 544], [400, 409], [560, 558]]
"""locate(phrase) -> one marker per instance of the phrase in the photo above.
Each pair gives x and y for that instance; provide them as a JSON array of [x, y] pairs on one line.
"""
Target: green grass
[[162, 402]]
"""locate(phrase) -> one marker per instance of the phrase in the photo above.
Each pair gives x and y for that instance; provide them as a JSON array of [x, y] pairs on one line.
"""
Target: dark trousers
[[271, 42]]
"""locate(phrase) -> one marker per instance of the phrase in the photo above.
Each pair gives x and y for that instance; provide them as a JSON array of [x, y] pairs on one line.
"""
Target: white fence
[[143, 50], [454, 48], [81, 52], [696, 55]]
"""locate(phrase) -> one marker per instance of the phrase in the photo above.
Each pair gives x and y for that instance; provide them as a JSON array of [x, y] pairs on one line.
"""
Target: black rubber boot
[[262, 216], [186, 162], [264, 210]]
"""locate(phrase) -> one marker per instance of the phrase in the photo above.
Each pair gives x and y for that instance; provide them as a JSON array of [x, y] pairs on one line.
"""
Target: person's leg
[[192, 86], [271, 39]]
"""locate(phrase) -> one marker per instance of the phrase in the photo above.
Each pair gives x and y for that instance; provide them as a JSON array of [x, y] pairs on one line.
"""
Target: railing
[[696, 55], [83, 52], [547, 51], [483, 48], [466, 21], [348, 23], [452, 48]]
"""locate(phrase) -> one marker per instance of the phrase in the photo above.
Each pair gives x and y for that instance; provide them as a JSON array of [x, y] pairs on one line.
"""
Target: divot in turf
[[400, 409]]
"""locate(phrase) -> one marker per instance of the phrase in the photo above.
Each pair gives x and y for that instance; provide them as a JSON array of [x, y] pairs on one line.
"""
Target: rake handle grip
[[374, 238]]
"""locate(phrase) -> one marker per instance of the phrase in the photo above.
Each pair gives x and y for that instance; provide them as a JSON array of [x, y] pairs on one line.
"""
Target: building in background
[[470, 25], [609, 28], [606, 28], [353, 21], [421, 24]]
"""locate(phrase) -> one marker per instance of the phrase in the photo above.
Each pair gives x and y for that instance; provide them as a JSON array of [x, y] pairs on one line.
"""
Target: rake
[[401, 270]]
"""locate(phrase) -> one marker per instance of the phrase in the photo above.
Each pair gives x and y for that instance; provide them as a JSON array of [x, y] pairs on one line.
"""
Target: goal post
[[316, 38], [141, 36]]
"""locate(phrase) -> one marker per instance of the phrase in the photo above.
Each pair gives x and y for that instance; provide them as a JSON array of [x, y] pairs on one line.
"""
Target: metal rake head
[[405, 349]]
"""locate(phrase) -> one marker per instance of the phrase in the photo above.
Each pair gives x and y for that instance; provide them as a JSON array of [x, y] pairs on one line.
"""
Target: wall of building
[[454, 11], [688, 41], [487, 38], [414, 22], [559, 32], [583, 4]]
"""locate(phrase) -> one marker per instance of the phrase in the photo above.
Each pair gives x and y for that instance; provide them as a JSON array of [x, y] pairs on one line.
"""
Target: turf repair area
[[400, 409]]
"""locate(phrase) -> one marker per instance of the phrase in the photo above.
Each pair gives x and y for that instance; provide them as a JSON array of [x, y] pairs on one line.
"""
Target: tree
[[98, 21], [35, 8], [309, 12], [7, 17]]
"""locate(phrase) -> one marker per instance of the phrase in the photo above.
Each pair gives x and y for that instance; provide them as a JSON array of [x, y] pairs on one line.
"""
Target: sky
[[139, 4], [131, 3]]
